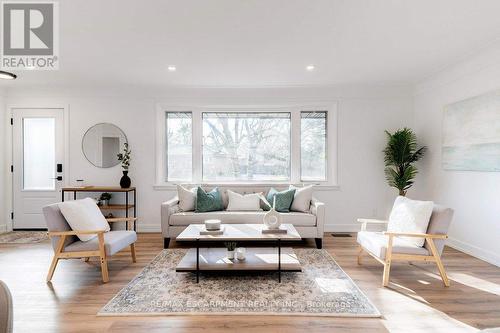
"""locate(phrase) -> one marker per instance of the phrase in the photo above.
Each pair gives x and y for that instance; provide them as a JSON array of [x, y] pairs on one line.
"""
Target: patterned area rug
[[23, 237], [321, 289]]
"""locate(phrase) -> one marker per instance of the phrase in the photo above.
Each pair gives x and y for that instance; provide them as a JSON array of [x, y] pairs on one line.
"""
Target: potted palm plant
[[400, 156]]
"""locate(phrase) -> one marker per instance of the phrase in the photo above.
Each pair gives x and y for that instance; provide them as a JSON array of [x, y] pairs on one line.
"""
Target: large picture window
[[201, 145], [246, 146], [179, 146]]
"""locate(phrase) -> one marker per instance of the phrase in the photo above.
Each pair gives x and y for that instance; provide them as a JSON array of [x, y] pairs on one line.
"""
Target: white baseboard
[[474, 251], [351, 227], [148, 228]]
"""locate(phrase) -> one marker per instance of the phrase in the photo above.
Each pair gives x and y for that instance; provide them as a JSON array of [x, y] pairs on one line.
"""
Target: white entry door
[[38, 170]]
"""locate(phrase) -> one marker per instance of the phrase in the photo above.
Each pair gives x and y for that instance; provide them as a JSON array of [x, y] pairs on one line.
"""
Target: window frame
[[295, 110], [327, 144], [165, 155]]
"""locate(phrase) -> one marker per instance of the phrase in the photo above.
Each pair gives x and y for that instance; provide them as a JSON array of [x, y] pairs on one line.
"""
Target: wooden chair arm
[[364, 222], [121, 219], [74, 232], [373, 221], [407, 234]]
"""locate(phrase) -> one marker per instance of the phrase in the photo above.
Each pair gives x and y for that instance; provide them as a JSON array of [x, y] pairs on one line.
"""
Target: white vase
[[230, 254], [272, 219]]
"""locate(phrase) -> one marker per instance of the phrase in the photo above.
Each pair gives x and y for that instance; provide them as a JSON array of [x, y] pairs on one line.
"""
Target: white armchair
[[386, 247]]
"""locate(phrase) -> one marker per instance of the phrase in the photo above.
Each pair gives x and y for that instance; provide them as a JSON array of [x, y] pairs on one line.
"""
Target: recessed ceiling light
[[172, 68], [7, 75], [310, 68]]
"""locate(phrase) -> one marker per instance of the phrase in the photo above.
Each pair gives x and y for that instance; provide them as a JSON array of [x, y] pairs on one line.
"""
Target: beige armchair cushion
[[84, 215], [410, 216], [114, 241], [376, 244]]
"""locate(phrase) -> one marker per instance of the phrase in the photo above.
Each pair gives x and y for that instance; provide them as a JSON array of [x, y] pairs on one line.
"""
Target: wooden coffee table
[[257, 258]]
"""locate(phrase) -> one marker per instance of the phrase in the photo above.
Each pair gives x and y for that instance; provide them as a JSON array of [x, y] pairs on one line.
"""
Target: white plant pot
[[230, 254]]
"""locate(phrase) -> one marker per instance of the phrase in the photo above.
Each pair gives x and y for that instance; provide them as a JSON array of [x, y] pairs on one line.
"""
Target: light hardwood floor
[[415, 301]]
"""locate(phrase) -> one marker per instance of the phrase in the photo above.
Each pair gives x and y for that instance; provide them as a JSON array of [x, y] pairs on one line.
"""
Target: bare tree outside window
[[246, 146]]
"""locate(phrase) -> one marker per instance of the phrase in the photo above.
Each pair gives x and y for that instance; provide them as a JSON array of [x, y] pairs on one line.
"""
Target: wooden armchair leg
[[360, 254], [104, 261], [52, 267], [387, 272], [55, 260], [387, 264], [439, 263], [132, 252], [104, 269], [87, 259]]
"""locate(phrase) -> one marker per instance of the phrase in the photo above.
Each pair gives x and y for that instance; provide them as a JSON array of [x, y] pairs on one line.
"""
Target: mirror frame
[[83, 138]]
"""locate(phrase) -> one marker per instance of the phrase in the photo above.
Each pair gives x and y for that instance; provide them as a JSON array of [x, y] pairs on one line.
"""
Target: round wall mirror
[[102, 143]]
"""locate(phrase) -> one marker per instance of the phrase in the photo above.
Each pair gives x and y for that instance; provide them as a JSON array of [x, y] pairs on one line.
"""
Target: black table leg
[[135, 210], [197, 261], [279, 260], [62, 195], [74, 195], [126, 210]]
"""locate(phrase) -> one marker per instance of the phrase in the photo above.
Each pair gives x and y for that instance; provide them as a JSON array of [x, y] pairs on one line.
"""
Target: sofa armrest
[[168, 208], [318, 209]]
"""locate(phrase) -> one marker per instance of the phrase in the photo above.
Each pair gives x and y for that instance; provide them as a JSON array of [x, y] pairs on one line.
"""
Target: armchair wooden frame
[[389, 256], [101, 252]]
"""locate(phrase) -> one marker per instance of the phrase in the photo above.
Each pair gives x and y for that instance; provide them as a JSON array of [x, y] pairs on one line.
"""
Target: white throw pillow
[[302, 198], [411, 216], [84, 215], [187, 198], [240, 202]]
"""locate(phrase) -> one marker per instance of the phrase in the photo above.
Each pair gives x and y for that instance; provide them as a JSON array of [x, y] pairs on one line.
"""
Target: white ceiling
[[264, 42]]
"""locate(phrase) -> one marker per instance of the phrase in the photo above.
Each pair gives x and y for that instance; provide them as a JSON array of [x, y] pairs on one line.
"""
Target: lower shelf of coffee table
[[257, 259]]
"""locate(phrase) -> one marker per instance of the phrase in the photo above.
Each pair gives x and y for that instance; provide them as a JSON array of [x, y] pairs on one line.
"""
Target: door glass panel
[[39, 153]]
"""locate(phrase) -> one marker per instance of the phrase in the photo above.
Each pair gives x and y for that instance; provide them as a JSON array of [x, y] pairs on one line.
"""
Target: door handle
[[59, 178]]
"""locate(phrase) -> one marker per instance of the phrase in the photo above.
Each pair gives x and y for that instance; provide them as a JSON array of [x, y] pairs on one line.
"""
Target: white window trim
[[332, 143]]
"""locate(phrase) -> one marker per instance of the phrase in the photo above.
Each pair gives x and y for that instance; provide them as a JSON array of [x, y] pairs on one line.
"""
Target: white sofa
[[309, 225]]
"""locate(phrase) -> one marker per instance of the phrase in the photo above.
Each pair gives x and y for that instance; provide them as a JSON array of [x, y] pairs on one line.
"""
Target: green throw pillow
[[208, 202], [284, 199]]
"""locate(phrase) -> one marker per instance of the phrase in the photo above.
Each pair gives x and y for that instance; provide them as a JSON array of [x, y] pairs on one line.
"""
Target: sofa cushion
[[376, 243], [114, 241], [187, 218], [187, 198], [208, 201], [302, 198], [243, 202], [280, 200]]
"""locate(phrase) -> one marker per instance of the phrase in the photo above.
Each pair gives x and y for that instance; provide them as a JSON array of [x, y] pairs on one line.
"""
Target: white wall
[[474, 195], [4, 215], [363, 113]]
